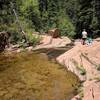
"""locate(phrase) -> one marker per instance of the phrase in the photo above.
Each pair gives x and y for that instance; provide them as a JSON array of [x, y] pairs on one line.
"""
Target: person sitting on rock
[[90, 37]]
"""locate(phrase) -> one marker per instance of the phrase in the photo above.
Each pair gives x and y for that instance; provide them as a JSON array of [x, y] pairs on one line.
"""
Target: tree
[[85, 15], [97, 9]]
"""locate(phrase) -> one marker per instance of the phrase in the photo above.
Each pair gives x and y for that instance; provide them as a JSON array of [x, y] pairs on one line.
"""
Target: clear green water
[[30, 76]]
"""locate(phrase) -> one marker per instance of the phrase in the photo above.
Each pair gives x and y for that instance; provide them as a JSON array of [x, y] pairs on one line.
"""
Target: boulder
[[84, 58], [4, 40], [54, 32]]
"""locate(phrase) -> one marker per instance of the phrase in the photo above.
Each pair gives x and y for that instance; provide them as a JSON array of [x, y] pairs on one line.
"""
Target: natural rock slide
[[85, 59]]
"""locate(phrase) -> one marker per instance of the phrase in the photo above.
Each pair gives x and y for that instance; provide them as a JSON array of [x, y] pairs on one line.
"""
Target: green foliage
[[97, 78], [13, 29], [88, 15], [98, 67], [33, 39], [79, 67], [70, 16], [72, 7], [66, 27], [82, 71], [57, 18], [84, 15], [30, 11]]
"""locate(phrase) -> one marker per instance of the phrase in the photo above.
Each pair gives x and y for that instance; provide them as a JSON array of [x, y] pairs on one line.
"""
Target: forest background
[[70, 16]]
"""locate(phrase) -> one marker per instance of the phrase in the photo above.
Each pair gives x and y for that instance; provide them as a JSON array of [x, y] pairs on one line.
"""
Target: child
[[90, 36], [89, 40]]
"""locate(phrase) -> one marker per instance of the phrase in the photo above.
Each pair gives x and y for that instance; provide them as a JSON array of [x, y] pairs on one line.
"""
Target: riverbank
[[46, 42], [84, 61]]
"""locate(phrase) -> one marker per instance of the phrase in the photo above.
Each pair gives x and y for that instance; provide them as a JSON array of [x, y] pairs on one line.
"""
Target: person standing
[[84, 36]]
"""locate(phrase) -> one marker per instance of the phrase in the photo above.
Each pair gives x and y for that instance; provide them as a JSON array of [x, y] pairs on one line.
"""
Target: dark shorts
[[84, 39]]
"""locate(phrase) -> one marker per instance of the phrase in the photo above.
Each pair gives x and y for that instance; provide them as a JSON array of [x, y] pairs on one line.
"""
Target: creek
[[32, 76]]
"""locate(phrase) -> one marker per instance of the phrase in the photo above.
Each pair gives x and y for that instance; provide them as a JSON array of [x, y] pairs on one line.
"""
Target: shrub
[[33, 39], [82, 71], [98, 67], [79, 67], [66, 27], [97, 78]]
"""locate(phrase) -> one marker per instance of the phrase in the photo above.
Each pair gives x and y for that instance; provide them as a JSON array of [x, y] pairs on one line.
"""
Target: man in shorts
[[84, 36]]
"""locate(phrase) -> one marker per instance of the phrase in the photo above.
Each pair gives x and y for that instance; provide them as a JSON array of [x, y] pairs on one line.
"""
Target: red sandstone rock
[[49, 42], [88, 57], [54, 32]]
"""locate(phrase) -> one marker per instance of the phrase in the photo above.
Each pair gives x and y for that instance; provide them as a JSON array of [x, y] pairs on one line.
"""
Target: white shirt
[[84, 34]]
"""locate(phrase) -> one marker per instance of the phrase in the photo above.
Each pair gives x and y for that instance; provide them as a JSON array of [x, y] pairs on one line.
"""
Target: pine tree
[[97, 9], [85, 15]]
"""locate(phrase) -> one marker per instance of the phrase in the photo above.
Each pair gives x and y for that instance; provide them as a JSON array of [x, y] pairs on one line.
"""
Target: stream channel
[[35, 76]]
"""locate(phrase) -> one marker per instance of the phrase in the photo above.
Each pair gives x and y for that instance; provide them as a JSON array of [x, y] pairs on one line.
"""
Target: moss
[[79, 67], [82, 70], [97, 78], [79, 90], [98, 67]]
